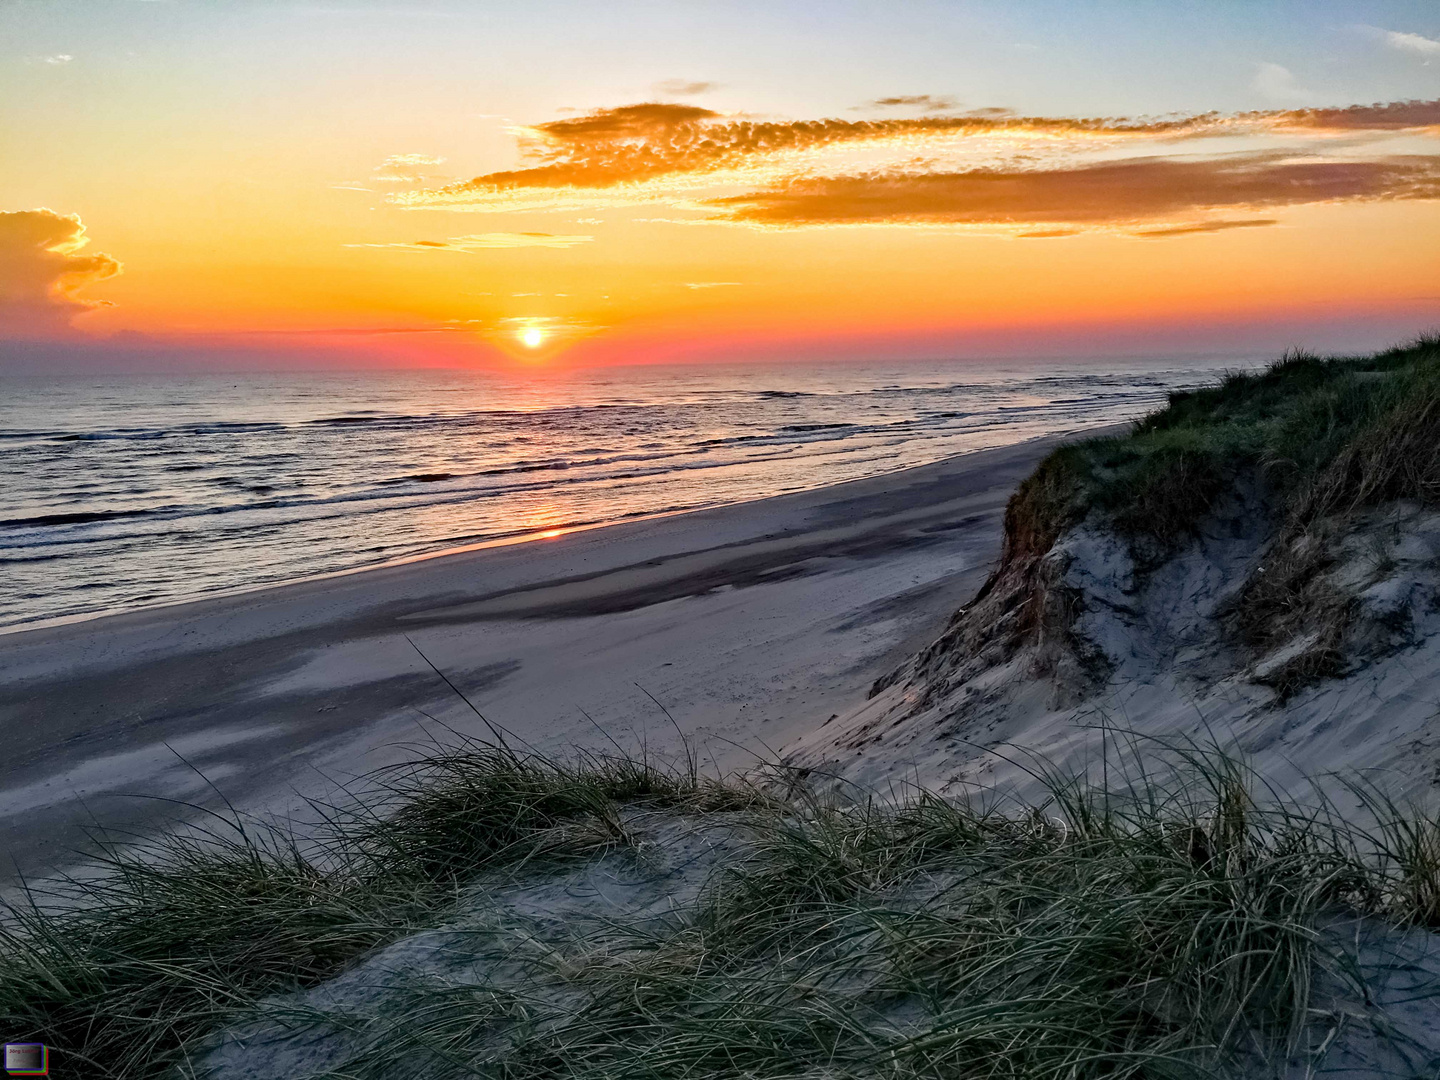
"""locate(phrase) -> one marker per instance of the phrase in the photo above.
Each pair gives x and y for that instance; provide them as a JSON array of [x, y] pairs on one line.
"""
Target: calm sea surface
[[126, 491]]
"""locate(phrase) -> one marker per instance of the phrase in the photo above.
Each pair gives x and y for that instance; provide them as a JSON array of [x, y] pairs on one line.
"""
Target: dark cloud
[[1394, 116], [41, 274], [1109, 193], [927, 102], [684, 87]]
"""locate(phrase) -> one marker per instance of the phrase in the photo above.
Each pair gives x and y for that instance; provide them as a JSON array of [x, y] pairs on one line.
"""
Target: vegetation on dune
[[1322, 436], [1306, 447], [121, 970], [1162, 930]]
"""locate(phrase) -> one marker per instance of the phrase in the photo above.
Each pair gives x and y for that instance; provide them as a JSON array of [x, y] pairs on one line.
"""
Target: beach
[[749, 625]]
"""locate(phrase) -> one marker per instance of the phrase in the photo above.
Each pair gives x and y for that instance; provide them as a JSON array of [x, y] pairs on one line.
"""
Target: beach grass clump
[[1167, 929], [122, 967], [1159, 931], [1319, 436]]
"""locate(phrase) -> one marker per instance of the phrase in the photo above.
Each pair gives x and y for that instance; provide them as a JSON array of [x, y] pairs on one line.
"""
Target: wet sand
[[751, 623]]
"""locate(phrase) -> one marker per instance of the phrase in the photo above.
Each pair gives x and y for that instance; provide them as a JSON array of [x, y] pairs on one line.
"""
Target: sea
[[120, 492]]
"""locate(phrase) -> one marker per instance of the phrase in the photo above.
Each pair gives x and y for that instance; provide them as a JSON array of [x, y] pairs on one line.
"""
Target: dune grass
[[1320, 437], [121, 968], [1165, 929]]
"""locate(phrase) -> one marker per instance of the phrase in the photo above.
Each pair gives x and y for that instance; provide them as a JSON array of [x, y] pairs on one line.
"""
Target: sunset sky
[[342, 183]]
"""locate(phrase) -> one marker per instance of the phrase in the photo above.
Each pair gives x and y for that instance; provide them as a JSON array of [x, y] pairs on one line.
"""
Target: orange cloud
[[1108, 193], [631, 146], [634, 143], [1204, 227], [41, 274]]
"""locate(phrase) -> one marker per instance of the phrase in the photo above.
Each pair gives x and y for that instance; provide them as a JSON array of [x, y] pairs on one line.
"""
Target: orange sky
[[677, 225]]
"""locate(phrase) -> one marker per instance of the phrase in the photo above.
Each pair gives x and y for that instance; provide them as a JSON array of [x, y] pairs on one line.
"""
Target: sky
[[554, 182]]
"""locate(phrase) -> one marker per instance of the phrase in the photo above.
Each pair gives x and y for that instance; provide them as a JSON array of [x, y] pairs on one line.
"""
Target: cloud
[[410, 161], [709, 284], [337, 331], [1095, 195], [407, 169], [926, 102], [1023, 175], [487, 241], [1205, 227], [630, 144], [665, 141], [1392, 116], [54, 60], [1414, 43], [1278, 83], [624, 122], [684, 87], [41, 273]]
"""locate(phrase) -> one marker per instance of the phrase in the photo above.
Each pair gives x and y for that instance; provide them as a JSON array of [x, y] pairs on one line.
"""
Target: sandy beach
[[752, 624]]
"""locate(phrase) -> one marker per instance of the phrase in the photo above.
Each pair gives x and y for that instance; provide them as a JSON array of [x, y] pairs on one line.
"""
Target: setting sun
[[532, 337]]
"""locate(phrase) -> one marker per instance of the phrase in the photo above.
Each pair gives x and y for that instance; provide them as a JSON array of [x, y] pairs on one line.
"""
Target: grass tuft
[[124, 967], [1164, 928]]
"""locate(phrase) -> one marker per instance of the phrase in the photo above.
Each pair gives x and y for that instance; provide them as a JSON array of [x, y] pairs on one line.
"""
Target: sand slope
[[1153, 654]]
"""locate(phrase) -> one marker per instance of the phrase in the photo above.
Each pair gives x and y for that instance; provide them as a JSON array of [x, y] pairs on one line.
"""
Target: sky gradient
[[353, 184]]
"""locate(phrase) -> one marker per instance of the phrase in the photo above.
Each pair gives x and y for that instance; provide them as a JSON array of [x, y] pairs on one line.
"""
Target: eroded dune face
[[1307, 652]]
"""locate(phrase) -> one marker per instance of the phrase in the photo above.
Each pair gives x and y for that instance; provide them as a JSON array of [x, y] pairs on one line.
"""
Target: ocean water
[[128, 491]]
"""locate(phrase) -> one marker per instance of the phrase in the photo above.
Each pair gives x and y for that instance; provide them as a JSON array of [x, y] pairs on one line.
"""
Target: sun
[[534, 338]]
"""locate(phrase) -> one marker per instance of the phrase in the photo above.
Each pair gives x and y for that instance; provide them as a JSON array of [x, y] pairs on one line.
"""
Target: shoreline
[[512, 540], [196, 514], [753, 622]]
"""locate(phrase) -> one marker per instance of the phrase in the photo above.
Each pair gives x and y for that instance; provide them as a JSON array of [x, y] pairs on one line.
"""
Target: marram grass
[[1319, 436], [1167, 929]]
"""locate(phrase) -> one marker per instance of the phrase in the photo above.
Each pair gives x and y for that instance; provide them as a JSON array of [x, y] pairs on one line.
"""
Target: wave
[[218, 427], [376, 419], [368, 501], [81, 517], [420, 478]]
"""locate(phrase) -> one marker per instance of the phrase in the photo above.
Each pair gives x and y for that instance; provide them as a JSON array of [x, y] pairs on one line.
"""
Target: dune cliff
[[1257, 565]]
